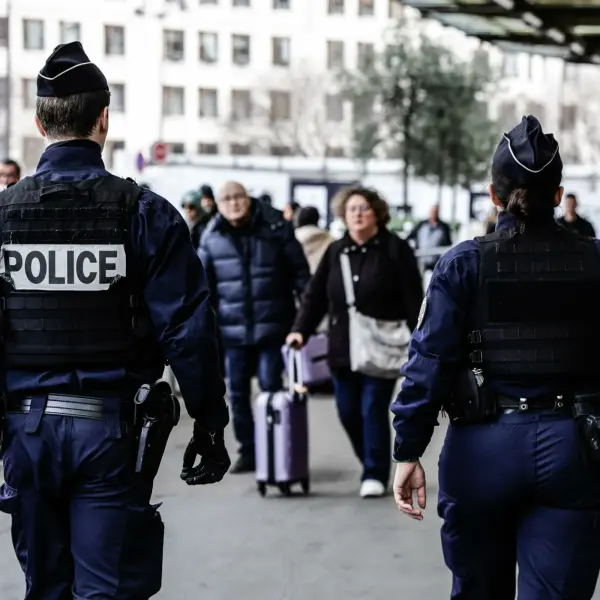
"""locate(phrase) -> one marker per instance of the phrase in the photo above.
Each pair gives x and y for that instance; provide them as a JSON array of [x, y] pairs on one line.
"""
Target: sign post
[[159, 153]]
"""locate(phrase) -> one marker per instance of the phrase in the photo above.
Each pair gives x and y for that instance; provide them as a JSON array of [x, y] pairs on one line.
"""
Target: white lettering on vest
[[62, 267]]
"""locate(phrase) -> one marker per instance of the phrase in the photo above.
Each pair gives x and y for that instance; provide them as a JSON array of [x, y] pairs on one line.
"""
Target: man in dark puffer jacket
[[254, 266]]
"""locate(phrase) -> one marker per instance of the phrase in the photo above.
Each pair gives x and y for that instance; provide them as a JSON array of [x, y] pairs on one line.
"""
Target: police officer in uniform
[[99, 287], [507, 345]]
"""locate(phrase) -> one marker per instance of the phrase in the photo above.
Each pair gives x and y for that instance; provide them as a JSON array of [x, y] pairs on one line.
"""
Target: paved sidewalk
[[226, 543]]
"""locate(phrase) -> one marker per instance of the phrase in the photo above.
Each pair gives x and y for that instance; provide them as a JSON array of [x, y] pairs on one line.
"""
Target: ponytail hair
[[527, 204]]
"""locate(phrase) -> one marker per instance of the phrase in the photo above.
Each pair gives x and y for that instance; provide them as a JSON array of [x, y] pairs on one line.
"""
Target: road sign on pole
[[159, 153]]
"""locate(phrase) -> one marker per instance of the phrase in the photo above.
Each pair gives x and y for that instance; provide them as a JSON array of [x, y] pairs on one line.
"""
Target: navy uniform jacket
[[176, 293], [439, 345]]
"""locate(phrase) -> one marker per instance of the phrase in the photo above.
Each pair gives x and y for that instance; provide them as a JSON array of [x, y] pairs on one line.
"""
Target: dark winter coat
[[254, 272], [387, 285]]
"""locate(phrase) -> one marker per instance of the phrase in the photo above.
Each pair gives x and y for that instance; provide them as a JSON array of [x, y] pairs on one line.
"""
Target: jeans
[[363, 405], [516, 491], [241, 364], [82, 525]]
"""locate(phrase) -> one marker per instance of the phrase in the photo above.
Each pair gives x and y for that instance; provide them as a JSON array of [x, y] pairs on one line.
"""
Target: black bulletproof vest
[[67, 236], [537, 313]]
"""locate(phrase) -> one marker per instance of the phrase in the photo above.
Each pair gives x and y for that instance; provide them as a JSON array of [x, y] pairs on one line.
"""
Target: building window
[[33, 34], [334, 152], [209, 47], [173, 101], [173, 45], [208, 148], [32, 150], [280, 151], [208, 101], [281, 51], [335, 55], [241, 2], [110, 148], [241, 105], [568, 117], [281, 106], [366, 8], [281, 4], [510, 65], [176, 148], [335, 108], [336, 7], [241, 49], [29, 87], [114, 40], [69, 32], [366, 55], [240, 149], [117, 97], [3, 32]]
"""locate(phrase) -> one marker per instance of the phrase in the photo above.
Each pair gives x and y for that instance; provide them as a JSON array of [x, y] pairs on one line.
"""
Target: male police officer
[[99, 284]]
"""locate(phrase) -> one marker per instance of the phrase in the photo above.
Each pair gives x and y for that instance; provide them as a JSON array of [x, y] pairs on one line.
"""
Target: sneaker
[[244, 464], [371, 488]]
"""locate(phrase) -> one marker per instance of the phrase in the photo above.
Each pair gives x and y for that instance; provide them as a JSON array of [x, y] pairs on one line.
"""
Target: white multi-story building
[[207, 76], [245, 76]]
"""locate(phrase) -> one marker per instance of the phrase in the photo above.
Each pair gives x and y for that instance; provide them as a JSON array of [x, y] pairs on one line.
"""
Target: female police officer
[[506, 344]]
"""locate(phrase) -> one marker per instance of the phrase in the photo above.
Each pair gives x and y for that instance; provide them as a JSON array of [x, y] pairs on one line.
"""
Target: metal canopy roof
[[568, 29]]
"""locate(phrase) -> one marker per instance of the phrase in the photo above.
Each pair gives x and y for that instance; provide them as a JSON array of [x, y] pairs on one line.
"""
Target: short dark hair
[[572, 196], [308, 215], [527, 204], [373, 197], [72, 116], [9, 162]]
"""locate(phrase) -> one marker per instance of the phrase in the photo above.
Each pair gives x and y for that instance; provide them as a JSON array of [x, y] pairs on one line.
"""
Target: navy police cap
[[69, 71], [528, 156]]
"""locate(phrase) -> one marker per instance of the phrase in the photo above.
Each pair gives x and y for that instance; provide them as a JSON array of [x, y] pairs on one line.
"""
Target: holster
[[586, 411], [157, 411], [470, 402]]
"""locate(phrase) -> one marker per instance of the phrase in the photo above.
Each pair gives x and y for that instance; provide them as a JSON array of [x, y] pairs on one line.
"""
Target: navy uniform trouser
[[363, 405], [518, 492], [82, 525], [242, 363]]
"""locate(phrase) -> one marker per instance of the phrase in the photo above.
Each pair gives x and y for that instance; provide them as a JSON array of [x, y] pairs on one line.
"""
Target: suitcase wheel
[[262, 488], [305, 483], [285, 489]]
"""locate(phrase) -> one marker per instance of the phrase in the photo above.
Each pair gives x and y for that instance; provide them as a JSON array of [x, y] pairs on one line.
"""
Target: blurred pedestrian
[[255, 266], [314, 239], [431, 233], [573, 221], [289, 212], [194, 215], [387, 286], [10, 172]]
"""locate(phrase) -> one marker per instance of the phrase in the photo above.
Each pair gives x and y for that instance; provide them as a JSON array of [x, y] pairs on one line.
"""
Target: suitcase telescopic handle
[[295, 374]]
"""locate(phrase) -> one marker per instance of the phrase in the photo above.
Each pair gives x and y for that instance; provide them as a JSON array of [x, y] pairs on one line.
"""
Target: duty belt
[[549, 402], [65, 405]]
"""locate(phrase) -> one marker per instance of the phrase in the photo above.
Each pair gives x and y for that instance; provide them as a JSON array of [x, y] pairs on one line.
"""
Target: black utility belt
[[550, 402], [67, 405]]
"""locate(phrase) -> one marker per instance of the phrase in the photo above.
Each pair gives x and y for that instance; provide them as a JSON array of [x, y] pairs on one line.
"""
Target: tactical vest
[[69, 293], [537, 312]]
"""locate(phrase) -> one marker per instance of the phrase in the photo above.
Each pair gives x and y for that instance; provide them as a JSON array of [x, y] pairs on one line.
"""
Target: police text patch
[[62, 267]]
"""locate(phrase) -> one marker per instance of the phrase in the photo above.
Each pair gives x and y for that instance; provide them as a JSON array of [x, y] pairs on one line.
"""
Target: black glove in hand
[[214, 458]]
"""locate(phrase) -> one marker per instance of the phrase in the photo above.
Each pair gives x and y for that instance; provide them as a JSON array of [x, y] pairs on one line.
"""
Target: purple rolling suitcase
[[281, 434], [315, 369]]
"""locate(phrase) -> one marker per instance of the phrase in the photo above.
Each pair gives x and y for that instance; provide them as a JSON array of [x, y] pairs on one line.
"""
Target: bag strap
[[347, 277]]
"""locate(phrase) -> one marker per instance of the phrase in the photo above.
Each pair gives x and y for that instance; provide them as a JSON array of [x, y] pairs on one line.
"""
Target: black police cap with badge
[[528, 157], [69, 71]]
